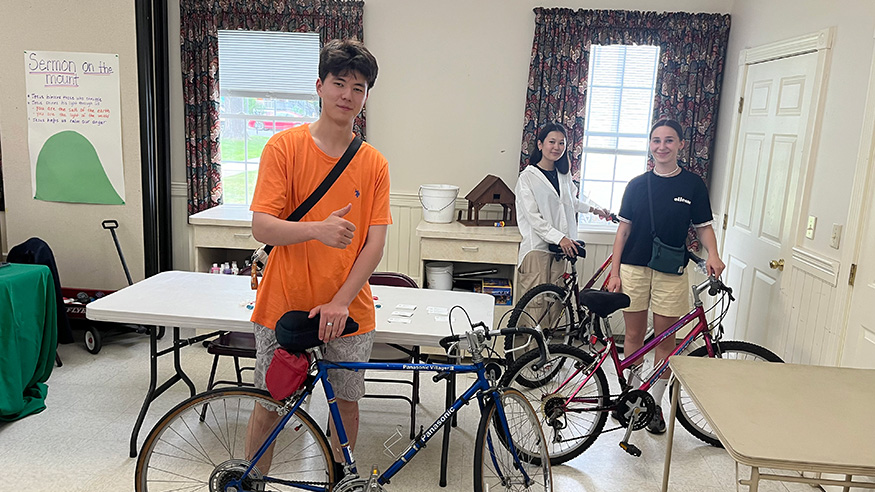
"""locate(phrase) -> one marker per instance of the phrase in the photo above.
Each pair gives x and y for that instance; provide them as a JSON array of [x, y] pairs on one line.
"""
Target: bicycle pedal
[[631, 449]]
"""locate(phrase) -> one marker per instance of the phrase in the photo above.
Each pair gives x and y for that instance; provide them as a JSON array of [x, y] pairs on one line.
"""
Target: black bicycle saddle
[[581, 249], [603, 303]]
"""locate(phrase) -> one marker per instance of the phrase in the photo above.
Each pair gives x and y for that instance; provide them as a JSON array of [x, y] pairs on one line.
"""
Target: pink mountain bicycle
[[571, 394]]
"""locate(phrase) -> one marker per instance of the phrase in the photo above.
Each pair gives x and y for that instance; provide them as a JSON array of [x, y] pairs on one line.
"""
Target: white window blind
[[622, 80], [282, 65]]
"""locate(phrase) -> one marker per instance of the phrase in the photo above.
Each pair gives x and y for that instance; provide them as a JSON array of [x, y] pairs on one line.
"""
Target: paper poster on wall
[[74, 127]]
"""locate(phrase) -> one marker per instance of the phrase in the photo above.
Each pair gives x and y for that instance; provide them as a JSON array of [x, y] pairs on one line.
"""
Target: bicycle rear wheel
[[576, 422], [495, 467], [688, 413], [542, 306], [185, 452]]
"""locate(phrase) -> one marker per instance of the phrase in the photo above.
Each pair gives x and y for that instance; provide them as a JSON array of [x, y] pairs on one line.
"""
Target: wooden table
[[784, 416], [218, 302]]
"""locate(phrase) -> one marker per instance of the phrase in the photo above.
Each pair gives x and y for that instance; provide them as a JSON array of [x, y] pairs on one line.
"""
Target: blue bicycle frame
[[479, 388]]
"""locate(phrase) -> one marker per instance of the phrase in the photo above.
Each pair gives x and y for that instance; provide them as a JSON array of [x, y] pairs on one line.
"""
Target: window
[[268, 84], [619, 105]]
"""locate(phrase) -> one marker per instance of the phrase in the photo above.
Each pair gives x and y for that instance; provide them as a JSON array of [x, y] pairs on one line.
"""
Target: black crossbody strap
[[650, 200], [325, 185]]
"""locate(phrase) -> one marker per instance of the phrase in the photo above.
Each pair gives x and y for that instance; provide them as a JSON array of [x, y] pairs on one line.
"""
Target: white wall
[[448, 103], [756, 23], [85, 253]]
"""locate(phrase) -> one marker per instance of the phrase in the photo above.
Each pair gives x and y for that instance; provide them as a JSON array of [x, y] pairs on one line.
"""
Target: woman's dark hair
[[536, 155], [674, 125], [339, 57]]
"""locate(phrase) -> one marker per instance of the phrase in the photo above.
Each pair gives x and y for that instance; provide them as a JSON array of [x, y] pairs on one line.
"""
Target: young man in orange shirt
[[321, 264]]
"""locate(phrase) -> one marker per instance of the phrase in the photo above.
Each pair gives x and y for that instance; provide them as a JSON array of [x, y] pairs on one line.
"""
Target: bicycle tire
[[532, 310], [183, 452], [585, 418], [494, 465], [688, 414]]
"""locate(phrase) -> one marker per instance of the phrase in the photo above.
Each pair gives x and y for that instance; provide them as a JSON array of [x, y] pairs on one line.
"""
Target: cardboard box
[[500, 289]]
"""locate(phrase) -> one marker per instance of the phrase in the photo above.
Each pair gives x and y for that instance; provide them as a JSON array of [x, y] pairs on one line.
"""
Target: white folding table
[[788, 417], [205, 301]]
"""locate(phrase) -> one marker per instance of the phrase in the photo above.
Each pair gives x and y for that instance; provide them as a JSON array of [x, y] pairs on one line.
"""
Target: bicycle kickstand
[[625, 444]]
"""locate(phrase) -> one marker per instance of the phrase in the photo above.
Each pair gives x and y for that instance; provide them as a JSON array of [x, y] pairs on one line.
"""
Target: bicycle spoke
[[184, 453]]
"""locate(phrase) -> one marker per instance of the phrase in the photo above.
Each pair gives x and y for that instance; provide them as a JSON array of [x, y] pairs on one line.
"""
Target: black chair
[[390, 352], [232, 344]]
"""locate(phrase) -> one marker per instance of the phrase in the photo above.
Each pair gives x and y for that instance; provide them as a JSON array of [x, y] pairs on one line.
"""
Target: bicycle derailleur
[[354, 483]]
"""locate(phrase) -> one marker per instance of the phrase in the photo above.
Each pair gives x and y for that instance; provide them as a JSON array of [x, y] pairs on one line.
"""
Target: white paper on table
[[399, 320], [406, 306], [437, 310], [441, 319], [403, 314]]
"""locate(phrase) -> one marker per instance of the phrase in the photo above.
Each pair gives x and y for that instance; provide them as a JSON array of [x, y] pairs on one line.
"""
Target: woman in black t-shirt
[[676, 198]]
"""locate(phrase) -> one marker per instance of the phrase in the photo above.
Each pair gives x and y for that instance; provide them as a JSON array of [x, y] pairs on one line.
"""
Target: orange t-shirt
[[304, 275]]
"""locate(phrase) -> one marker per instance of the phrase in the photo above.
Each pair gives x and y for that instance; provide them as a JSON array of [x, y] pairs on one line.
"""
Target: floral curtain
[[200, 22], [692, 56]]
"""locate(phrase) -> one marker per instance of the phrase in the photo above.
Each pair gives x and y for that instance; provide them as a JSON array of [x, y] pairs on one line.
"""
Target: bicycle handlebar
[[715, 285], [448, 341]]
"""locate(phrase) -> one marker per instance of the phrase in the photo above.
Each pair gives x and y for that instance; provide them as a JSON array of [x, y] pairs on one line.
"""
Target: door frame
[[861, 201], [819, 42]]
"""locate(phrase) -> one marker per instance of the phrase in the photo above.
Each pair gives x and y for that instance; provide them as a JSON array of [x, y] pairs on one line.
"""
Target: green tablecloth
[[28, 338]]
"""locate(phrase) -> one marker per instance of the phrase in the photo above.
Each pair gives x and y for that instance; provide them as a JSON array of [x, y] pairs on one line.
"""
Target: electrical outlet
[[809, 231], [836, 237]]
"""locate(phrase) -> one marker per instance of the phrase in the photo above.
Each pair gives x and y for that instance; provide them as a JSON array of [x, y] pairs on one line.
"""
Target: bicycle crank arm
[[625, 444]]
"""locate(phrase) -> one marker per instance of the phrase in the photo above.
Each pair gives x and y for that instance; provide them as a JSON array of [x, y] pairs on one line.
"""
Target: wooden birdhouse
[[491, 190]]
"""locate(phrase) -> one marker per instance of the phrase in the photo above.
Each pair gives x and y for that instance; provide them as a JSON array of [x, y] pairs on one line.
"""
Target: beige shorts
[[665, 294], [348, 385], [538, 267]]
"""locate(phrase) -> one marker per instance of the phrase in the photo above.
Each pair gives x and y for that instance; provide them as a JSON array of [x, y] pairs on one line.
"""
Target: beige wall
[[448, 103], [85, 253]]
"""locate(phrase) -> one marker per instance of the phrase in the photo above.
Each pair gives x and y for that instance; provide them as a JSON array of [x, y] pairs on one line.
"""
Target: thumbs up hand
[[335, 231]]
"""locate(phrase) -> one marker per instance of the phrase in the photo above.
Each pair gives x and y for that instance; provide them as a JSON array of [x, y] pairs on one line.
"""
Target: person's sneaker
[[657, 423], [339, 472]]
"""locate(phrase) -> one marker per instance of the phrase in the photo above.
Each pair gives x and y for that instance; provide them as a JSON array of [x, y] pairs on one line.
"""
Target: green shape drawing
[[68, 170]]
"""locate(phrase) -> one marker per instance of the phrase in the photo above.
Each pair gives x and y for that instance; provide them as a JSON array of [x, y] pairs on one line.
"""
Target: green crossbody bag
[[664, 258]]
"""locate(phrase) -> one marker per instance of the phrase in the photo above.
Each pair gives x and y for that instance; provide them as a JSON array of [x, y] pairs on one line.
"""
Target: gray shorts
[[348, 385]]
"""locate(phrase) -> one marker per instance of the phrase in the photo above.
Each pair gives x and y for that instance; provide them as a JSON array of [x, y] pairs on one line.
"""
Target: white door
[[859, 349], [768, 157]]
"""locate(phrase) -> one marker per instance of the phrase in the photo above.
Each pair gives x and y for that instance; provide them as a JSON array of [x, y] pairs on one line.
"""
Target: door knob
[[777, 265]]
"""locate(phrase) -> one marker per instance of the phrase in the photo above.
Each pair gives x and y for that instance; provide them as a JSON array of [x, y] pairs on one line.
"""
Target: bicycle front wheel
[[187, 452], [571, 418], [542, 306], [688, 413], [510, 453]]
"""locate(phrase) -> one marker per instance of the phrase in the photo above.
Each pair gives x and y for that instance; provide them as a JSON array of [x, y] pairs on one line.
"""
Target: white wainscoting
[[402, 244], [808, 332]]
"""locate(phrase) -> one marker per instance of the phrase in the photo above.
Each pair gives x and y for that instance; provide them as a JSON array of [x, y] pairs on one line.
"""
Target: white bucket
[[437, 202], [439, 275]]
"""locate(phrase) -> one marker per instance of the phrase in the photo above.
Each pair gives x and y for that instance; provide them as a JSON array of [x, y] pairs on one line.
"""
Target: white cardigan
[[544, 217]]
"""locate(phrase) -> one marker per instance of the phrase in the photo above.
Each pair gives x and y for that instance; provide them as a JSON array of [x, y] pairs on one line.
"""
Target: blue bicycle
[[186, 451]]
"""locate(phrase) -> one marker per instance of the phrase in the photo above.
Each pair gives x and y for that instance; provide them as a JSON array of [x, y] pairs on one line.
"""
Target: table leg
[[153, 378], [445, 449], [754, 479], [671, 419], [177, 365]]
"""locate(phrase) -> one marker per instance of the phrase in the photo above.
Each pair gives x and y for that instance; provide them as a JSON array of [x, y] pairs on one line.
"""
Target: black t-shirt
[[678, 201], [552, 177]]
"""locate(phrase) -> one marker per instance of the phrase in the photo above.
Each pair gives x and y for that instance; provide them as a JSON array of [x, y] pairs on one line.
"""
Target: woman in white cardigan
[[547, 207]]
